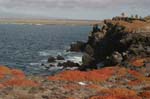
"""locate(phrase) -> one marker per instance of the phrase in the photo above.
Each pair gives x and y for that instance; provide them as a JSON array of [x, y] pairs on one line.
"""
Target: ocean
[[26, 47]]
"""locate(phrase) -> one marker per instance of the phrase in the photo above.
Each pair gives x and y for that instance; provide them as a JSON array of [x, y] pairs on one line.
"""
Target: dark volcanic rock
[[87, 59], [51, 59], [89, 50], [113, 44], [77, 47], [116, 58], [59, 57], [69, 64]]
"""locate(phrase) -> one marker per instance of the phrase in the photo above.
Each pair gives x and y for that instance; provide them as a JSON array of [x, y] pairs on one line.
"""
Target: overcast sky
[[72, 9]]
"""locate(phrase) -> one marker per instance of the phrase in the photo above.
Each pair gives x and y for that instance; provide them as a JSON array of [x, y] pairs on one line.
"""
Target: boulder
[[77, 47], [87, 59], [59, 57], [51, 59], [69, 64], [89, 50], [116, 58]]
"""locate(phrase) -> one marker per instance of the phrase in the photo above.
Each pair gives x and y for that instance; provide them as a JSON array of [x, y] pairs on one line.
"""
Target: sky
[[72, 9]]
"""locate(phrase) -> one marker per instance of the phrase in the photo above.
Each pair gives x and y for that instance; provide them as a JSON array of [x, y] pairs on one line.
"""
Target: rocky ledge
[[116, 42]]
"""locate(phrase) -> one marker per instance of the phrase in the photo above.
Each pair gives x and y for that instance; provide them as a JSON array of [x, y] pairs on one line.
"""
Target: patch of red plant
[[1, 86], [138, 62], [120, 72], [2, 76], [20, 83], [4, 70], [115, 97], [16, 78], [135, 73], [135, 83], [95, 75], [18, 73], [146, 88], [145, 94], [116, 93]]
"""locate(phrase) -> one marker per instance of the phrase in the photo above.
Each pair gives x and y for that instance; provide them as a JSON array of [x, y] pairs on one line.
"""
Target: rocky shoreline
[[116, 42], [116, 65]]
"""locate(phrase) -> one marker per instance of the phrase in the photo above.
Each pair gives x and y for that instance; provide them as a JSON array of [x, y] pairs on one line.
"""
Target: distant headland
[[49, 21]]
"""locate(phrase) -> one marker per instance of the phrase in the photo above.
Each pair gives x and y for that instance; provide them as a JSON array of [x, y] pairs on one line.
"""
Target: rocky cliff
[[117, 42]]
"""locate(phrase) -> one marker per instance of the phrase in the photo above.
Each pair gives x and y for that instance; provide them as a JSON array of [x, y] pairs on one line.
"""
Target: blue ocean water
[[27, 46]]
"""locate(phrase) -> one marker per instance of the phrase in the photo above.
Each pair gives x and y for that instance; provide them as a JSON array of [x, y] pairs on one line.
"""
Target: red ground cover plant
[[20, 83], [4, 70], [134, 73], [135, 83], [145, 94], [18, 73], [115, 97], [141, 77], [116, 93], [95, 87], [94, 76], [138, 62], [14, 77], [1, 86], [121, 71], [146, 88]]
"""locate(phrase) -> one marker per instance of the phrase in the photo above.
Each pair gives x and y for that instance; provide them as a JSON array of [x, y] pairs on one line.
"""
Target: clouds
[[42, 7], [72, 3]]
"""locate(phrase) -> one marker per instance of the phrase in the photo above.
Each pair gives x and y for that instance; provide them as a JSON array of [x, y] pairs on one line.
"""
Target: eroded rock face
[[77, 47], [129, 40], [87, 59]]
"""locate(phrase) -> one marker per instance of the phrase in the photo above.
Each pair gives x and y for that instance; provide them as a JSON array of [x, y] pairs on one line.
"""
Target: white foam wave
[[33, 64], [55, 68], [76, 59], [51, 52]]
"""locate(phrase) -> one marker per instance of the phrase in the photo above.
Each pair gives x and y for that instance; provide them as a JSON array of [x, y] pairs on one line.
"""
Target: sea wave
[[69, 56]]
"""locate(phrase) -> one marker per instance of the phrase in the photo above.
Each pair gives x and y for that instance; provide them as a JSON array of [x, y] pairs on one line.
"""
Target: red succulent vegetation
[[94, 76], [18, 73], [20, 83], [116, 93], [16, 78], [145, 94], [115, 97], [135, 83], [138, 62]]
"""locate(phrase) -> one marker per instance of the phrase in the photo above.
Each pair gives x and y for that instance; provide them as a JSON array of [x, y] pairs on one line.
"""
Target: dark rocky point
[[69, 64], [115, 42], [51, 59], [59, 57], [78, 46]]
